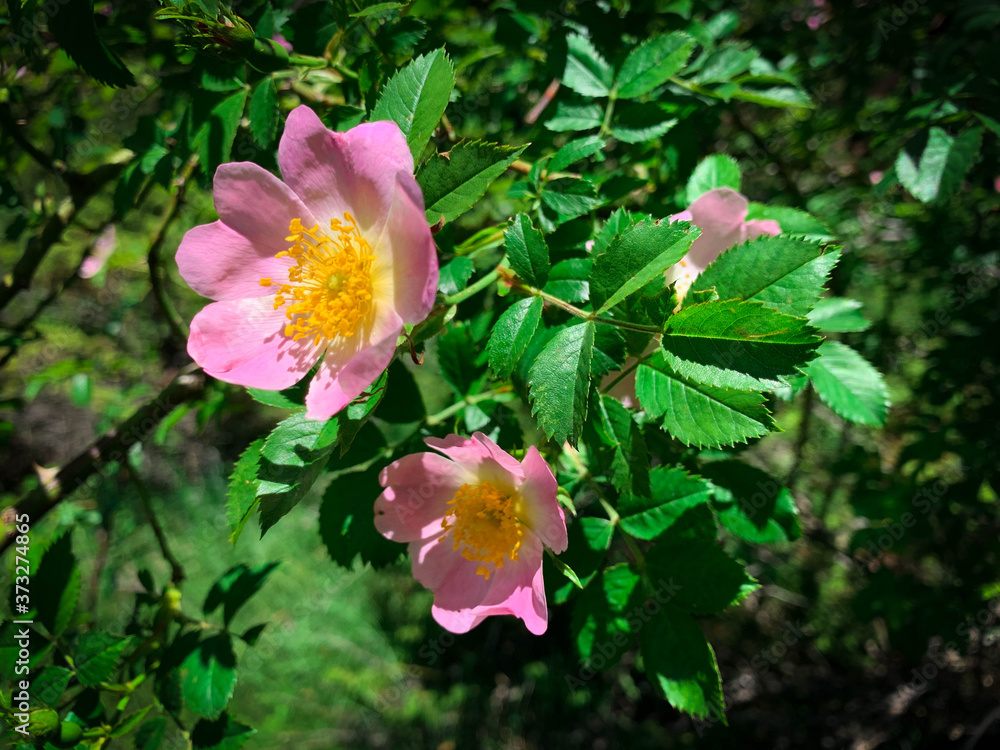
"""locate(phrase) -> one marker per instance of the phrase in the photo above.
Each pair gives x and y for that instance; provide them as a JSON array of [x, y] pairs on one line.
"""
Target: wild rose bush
[[605, 320]]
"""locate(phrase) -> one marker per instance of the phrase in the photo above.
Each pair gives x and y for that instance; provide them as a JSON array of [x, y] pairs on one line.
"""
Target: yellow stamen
[[484, 526], [329, 289]]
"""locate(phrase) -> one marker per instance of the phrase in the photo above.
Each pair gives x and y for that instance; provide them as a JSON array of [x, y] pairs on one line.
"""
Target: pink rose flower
[[330, 263], [476, 521], [721, 214]]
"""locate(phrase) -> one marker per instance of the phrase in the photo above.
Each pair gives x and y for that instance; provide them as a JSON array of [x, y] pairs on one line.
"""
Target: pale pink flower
[[330, 263], [104, 246], [477, 522], [721, 215]]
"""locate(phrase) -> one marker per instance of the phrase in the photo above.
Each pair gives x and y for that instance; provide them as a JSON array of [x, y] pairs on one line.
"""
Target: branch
[[112, 448], [156, 273]]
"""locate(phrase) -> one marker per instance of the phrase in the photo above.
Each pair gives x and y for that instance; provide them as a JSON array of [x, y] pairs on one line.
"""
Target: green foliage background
[[870, 125]]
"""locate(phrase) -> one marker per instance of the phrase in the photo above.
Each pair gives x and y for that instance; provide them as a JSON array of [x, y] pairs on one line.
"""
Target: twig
[[547, 96], [156, 273], [176, 569], [111, 448]]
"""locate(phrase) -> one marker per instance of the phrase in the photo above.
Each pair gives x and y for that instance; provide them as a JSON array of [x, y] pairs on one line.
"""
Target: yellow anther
[[329, 289], [484, 526]]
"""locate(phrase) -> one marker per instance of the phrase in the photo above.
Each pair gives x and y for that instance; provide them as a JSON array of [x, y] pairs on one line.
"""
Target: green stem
[[474, 289], [481, 241], [515, 283], [441, 416], [308, 61], [625, 373], [608, 112]]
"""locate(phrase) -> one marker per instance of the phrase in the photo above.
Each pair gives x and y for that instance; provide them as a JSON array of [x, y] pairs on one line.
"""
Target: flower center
[[329, 289], [484, 526]]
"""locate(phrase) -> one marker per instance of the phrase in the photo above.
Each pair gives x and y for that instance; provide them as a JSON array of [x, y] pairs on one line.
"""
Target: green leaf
[[416, 97], [699, 414], [570, 197], [715, 171], [838, 315], [572, 152], [264, 113], [293, 397], [150, 734], [129, 722], [630, 457], [372, 7], [512, 334], [526, 250], [569, 280], [586, 71], [559, 382], [241, 499], [459, 359], [225, 733], [455, 276], [780, 272], [725, 63], [291, 460], [738, 344], [942, 165], [681, 664], [641, 122], [652, 63], [635, 257], [235, 588], [347, 521], [687, 555], [672, 491], [575, 117], [600, 617], [50, 684], [609, 351], [214, 138], [208, 676], [752, 504], [56, 586], [72, 25], [452, 183], [792, 221], [96, 656], [402, 402], [775, 96], [849, 384]]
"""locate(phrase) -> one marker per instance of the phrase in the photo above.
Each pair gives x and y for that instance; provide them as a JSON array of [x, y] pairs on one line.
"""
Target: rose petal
[[351, 365], [220, 263], [418, 488], [413, 258], [541, 506], [354, 171], [754, 228], [252, 201], [242, 341]]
